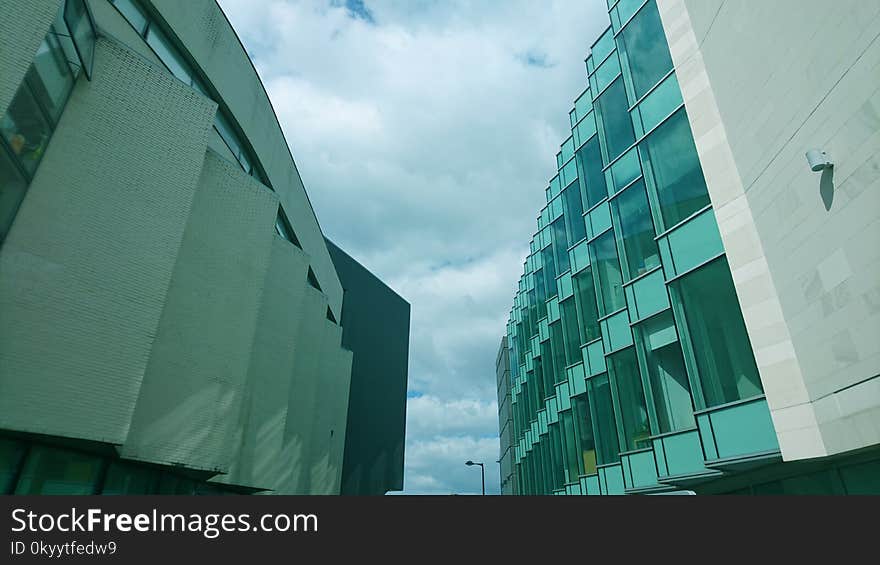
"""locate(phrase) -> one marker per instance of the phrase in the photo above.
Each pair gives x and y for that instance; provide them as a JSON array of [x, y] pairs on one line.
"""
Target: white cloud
[[425, 139]]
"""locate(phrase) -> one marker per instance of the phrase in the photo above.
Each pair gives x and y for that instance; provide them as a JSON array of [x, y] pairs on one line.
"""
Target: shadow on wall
[[826, 187]]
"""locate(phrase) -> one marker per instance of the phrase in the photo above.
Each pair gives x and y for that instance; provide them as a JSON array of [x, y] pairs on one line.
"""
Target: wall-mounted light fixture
[[818, 160]]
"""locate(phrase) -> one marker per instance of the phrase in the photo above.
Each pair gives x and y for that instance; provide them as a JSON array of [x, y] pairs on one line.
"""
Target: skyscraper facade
[[695, 312]]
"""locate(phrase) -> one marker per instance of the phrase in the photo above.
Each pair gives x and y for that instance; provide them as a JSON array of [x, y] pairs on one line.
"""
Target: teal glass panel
[[863, 478], [585, 130], [168, 54], [559, 162], [657, 105], [606, 72], [549, 270], [598, 220], [626, 8], [579, 256], [564, 285], [606, 269], [719, 342], [585, 296], [603, 46], [744, 429], [657, 343], [572, 120], [567, 149], [594, 357], [574, 212], [26, 129], [584, 428], [555, 187], [12, 190], [642, 45], [576, 379], [641, 469], [560, 359], [556, 208], [133, 13], [129, 479], [574, 462], [821, 483], [683, 453], [50, 78], [55, 471], [592, 179], [624, 171], [11, 454], [635, 427], [615, 331], [591, 485], [604, 425], [660, 458], [614, 480], [648, 295], [571, 331], [635, 228], [82, 33], [670, 161], [560, 244], [615, 126], [694, 242]]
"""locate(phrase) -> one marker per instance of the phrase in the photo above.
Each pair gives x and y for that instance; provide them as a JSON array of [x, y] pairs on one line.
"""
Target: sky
[[425, 132]]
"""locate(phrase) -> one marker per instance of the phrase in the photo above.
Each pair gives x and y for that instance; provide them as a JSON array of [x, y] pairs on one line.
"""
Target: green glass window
[[557, 455], [657, 105], [549, 271], [580, 408], [56, 471], [574, 213], [133, 13], [719, 343], [604, 426], [560, 243], [644, 44], [624, 370], [557, 342], [585, 294], [571, 330], [592, 179], [669, 159], [606, 269], [603, 46], [12, 189], [11, 454], [634, 227], [50, 78], [129, 479], [606, 72], [862, 479], [658, 345], [172, 484], [574, 464], [615, 126], [821, 483], [25, 129]]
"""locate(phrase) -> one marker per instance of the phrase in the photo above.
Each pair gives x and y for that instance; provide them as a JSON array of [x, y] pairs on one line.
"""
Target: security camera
[[818, 160]]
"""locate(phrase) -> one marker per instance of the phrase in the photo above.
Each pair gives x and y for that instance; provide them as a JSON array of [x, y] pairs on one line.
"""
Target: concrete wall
[[764, 82], [202, 28], [86, 266]]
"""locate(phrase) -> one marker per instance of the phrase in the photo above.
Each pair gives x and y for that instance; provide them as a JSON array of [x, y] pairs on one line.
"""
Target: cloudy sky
[[425, 132]]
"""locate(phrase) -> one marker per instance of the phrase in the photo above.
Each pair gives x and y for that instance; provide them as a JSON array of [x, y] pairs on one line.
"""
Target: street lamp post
[[482, 473]]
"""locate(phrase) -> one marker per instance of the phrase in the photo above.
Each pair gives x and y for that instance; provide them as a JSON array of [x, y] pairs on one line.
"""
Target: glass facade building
[[631, 367], [172, 319]]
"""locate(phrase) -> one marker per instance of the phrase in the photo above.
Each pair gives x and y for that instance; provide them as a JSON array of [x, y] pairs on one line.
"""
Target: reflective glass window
[[133, 13], [669, 159], [615, 124], [604, 425], [26, 129], [592, 179], [624, 369], [168, 54], [644, 43], [572, 331], [574, 213], [585, 295], [606, 269], [560, 243], [635, 228], [83, 34], [57, 471], [50, 78], [720, 344], [584, 427], [658, 344]]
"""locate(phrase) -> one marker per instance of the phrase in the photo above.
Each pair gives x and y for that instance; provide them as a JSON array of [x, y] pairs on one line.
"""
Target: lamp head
[[469, 463], [818, 160]]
